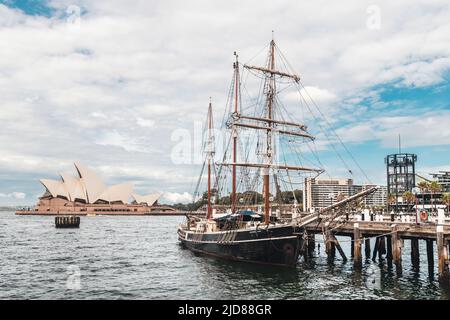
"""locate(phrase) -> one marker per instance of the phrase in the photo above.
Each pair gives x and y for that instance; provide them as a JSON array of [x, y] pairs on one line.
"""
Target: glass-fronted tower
[[401, 176]]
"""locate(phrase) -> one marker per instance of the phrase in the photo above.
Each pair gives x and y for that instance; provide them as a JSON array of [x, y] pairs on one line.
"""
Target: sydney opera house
[[85, 193]]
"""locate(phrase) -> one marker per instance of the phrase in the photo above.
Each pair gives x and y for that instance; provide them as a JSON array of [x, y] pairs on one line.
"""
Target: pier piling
[[339, 248], [367, 248], [396, 246], [430, 256], [311, 244], [442, 253], [415, 257], [389, 248], [330, 245], [357, 259], [352, 247], [376, 249], [381, 247]]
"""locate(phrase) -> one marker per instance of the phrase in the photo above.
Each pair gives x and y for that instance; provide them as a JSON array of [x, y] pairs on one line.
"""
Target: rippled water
[[140, 258]]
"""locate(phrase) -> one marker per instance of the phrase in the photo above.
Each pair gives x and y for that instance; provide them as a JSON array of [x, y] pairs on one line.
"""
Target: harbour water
[[140, 258]]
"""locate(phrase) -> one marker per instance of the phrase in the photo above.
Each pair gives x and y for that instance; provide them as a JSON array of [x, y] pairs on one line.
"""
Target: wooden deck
[[389, 240], [371, 228]]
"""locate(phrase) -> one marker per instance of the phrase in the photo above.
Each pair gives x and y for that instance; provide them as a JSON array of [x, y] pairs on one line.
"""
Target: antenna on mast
[[399, 144]]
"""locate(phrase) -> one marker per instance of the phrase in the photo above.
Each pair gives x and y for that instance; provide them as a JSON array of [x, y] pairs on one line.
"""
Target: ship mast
[[210, 152], [267, 123], [234, 133], [269, 150]]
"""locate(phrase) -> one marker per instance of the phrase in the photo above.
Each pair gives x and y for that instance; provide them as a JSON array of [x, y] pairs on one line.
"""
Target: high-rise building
[[378, 198], [443, 178], [321, 193]]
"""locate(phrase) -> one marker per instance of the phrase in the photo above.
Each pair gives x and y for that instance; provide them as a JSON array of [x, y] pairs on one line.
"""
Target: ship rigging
[[265, 142]]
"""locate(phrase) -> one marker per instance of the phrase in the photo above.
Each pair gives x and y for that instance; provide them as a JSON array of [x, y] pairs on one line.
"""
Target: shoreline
[[84, 214]]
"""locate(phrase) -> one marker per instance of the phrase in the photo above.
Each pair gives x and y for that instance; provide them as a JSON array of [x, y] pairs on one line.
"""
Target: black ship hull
[[277, 246]]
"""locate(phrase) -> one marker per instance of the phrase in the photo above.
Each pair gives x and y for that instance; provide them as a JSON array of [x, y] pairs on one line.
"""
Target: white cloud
[[14, 195], [426, 129], [110, 93], [320, 96], [174, 197], [145, 123]]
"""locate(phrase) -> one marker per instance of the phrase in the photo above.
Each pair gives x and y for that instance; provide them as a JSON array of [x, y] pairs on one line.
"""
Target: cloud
[[110, 92], [426, 129], [14, 195], [319, 95], [174, 197]]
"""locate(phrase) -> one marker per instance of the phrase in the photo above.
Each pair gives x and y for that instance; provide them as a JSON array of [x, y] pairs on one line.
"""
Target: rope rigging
[[302, 150]]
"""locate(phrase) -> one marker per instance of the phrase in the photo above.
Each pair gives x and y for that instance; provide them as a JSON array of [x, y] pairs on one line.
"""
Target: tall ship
[[263, 161]]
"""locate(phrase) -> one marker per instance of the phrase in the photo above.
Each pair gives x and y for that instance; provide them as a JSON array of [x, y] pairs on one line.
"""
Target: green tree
[[423, 186], [392, 199], [409, 197], [446, 200], [434, 187]]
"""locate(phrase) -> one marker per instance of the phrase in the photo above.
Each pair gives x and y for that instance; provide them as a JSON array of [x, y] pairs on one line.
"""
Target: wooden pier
[[389, 241]]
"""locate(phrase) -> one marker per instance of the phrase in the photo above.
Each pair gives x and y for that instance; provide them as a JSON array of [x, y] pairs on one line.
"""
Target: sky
[[111, 84]]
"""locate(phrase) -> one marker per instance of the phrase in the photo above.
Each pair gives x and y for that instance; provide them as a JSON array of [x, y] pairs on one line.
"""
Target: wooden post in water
[[376, 248], [442, 253], [381, 247], [305, 246], [352, 247], [389, 248], [357, 259], [396, 246], [430, 256], [415, 257], [367, 248], [339, 248], [330, 246], [311, 243], [332, 249]]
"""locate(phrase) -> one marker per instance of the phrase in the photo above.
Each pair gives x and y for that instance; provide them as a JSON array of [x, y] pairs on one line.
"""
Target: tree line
[[243, 198]]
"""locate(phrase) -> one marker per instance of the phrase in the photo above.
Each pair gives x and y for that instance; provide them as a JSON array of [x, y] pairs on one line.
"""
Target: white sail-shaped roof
[[74, 187], [93, 184], [88, 186], [55, 187], [149, 199], [118, 192]]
